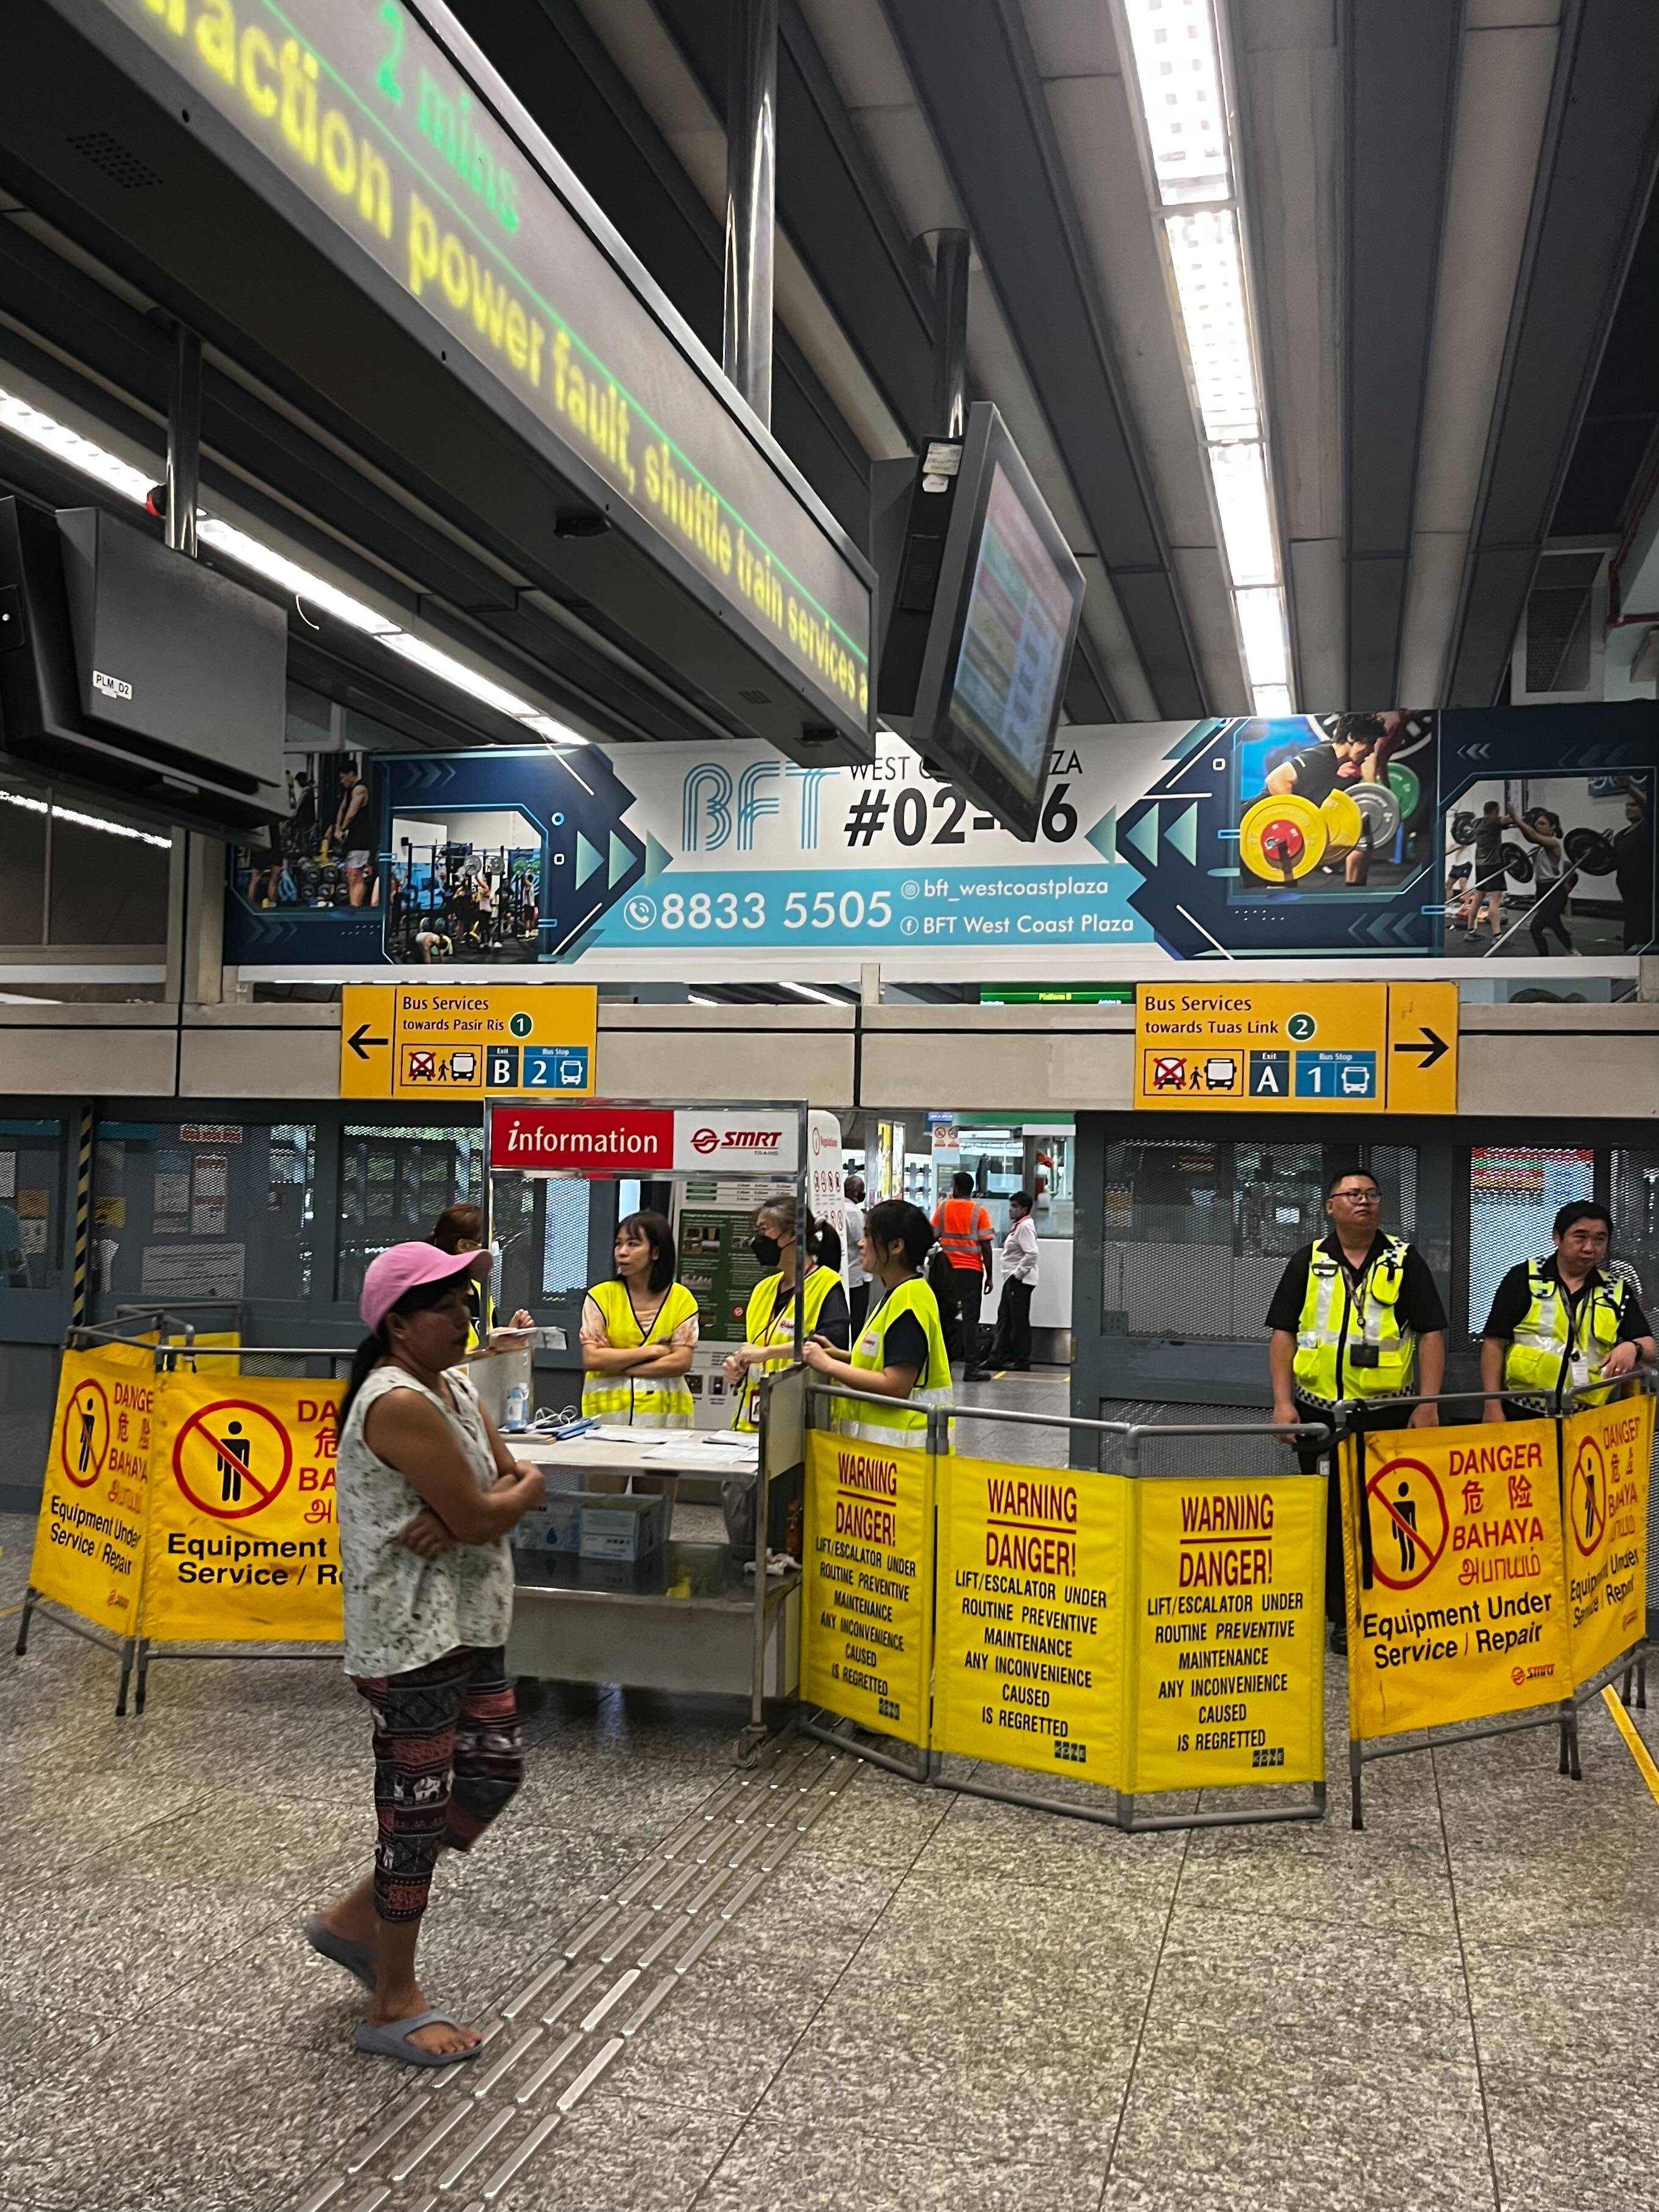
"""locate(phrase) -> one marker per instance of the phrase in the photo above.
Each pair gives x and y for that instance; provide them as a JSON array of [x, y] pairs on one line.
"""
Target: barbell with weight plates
[[1517, 863], [1463, 828], [1590, 852]]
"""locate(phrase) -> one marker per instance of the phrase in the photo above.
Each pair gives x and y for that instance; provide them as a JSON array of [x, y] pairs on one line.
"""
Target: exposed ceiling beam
[[1594, 184], [972, 64], [1399, 84], [1510, 51]]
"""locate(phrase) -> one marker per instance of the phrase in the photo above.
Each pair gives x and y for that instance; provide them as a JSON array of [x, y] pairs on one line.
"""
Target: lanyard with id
[[1364, 1351]]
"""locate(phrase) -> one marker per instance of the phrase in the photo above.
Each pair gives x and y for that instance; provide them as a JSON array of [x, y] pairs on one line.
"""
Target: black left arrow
[[1433, 1046], [360, 1041]]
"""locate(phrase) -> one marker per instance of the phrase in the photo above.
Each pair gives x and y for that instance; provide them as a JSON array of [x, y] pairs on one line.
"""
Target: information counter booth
[[611, 1604]]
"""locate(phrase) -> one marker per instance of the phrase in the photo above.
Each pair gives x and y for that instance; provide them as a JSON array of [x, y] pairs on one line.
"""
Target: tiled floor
[[938, 2001]]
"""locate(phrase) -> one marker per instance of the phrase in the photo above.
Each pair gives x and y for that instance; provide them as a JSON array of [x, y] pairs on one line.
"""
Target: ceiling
[[1453, 291]]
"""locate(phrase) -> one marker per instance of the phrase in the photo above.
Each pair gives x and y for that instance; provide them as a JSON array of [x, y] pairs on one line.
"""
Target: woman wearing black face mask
[[769, 1329]]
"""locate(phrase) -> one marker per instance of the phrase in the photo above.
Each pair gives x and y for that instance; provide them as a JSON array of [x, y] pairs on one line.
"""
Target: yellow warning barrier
[[185, 1507], [866, 1597], [1492, 1570], [89, 1539], [242, 1542], [1148, 1634]]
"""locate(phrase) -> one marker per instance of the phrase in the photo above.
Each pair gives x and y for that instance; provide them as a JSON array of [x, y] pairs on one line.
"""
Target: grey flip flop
[[392, 2041], [357, 1958]]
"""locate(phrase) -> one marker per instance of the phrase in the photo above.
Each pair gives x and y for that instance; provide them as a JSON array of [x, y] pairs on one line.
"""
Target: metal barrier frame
[[1118, 1809], [1562, 1712]]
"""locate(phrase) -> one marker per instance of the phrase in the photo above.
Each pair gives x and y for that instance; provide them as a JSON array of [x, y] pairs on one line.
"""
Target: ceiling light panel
[[1187, 140]]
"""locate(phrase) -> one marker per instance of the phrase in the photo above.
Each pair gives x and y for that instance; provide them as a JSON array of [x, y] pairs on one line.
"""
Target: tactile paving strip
[[468, 2133]]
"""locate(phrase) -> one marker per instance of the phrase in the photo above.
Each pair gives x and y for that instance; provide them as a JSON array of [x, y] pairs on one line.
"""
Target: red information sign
[[591, 1140]]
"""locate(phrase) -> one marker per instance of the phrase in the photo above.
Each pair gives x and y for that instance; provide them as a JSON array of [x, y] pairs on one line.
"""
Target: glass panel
[[1515, 1194], [31, 1205], [1196, 1234], [1394, 1167], [564, 1237], [394, 1183], [186, 1210], [28, 1391], [1635, 1203]]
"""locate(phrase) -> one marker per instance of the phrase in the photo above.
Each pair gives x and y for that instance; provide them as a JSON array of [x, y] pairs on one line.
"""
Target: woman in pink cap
[[428, 1492]]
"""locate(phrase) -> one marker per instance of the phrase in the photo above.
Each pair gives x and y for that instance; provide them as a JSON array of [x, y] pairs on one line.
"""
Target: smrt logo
[[706, 1140]]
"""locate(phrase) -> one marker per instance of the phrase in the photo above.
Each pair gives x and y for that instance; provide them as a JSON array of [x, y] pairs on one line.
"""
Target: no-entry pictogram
[[232, 1458], [83, 1439], [1587, 1497], [1409, 1523]]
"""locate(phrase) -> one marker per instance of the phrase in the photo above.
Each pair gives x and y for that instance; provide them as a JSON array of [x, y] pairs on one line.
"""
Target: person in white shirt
[[852, 1240], [1012, 1346]]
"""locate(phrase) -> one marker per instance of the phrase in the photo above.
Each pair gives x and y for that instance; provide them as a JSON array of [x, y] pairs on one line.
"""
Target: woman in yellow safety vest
[[900, 1355], [639, 1332], [460, 1229], [770, 1327]]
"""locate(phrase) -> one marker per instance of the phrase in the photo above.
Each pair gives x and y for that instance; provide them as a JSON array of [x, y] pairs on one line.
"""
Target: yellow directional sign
[[472, 1041], [1296, 1048]]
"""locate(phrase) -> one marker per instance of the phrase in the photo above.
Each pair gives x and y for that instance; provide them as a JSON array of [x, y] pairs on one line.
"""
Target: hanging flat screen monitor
[[1004, 623]]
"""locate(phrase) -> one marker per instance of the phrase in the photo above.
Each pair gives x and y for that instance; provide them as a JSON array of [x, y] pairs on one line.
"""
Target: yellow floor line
[[6, 1612], [1638, 1750]]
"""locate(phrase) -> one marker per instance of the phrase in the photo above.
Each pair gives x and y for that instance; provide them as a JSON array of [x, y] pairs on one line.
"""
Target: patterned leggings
[[447, 1759]]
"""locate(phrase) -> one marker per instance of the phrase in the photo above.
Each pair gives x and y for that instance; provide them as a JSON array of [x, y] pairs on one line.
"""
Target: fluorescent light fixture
[[805, 991], [29, 423], [85, 821], [1186, 133], [277, 568]]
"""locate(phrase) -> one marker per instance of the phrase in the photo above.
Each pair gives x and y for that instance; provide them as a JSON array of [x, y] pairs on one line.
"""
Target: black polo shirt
[[1512, 1300], [1419, 1307]]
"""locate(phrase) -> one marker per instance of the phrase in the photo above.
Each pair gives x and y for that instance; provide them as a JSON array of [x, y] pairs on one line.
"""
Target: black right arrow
[[360, 1041], [1433, 1048]]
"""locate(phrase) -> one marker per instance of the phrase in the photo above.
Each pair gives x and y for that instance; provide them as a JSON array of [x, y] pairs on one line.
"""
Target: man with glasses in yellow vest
[[1562, 1331], [1356, 1318]]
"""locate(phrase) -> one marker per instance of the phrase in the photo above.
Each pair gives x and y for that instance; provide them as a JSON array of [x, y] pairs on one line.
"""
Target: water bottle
[[516, 1412]]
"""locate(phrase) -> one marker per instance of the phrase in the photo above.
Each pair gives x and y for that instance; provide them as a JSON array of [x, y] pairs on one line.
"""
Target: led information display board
[[388, 131]]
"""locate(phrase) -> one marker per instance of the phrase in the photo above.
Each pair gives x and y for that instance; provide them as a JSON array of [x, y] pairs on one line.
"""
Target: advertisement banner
[[1606, 1454], [242, 1542], [1466, 834], [1032, 1618], [1457, 1603], [1229, 1661], [867, 1586], [89, 1539]]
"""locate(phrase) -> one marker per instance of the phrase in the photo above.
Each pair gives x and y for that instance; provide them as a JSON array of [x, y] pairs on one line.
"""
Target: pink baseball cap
[[405, 1268]]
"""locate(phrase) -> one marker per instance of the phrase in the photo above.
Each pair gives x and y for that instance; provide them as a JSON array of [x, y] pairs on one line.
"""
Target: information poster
[[1607, 1454], [868, 1585], [1031, 1623], [1229, 1633], [89, 1539], [243, 1541], [1457, 1605]]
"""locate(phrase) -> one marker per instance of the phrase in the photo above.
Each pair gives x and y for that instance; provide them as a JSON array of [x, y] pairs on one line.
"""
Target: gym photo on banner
[[1513, 833]]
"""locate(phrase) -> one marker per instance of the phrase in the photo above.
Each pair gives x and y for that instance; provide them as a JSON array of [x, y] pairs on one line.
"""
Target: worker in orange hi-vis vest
[[964, 1230]]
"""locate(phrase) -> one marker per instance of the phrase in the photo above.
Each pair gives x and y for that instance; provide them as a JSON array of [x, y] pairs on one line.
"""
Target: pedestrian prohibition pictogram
[[83, 1440], [1409, 1523], [1587, 1496], [232, 1458]]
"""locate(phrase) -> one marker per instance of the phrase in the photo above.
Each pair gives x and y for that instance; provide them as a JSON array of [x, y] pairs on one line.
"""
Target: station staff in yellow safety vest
[[1356, 1318], [460, 1229], [639, 1332], [769, 1326], [1561, 1331], [900, 1355]]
